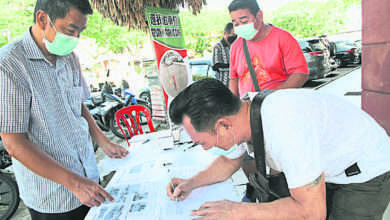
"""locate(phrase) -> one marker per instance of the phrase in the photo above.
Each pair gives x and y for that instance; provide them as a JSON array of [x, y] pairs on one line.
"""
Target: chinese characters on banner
[[164, 26]]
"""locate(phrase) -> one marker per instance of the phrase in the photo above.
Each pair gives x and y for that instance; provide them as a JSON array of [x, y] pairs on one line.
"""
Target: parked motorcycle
[[104, 114], [98, 98], [103, 109], [104, 104], [145, 95], [9, 193]]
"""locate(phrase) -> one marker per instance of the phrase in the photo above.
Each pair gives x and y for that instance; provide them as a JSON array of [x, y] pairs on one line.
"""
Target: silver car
[[317, 57]]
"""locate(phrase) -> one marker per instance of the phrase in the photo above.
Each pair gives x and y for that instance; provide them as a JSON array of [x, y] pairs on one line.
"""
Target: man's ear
[[259, 17], [41, 19], [223, 124]]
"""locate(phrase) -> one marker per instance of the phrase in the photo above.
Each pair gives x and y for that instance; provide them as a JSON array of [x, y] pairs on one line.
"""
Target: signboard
[[168, 42]]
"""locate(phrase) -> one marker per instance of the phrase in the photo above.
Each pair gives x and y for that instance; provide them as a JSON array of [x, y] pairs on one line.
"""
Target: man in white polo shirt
[[336, 158]]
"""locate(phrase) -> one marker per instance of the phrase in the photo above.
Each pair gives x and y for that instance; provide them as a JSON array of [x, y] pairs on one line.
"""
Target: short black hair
[[251, 5], [229, 27], [60, 8], [204, 102]]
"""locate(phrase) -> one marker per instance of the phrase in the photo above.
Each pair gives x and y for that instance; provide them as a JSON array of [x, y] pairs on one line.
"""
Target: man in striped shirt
[[221, 54], [43, 122]]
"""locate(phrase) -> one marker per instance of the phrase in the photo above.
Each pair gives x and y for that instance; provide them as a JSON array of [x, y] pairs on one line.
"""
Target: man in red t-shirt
[[276, 56]]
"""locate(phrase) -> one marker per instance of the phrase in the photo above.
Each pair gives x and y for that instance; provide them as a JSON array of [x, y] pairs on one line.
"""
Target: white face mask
[[233, 153], [246, 31]]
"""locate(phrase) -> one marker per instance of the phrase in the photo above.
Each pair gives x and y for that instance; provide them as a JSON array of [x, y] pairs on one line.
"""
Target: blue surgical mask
[[246, 31], [216, 151], [62, 45]]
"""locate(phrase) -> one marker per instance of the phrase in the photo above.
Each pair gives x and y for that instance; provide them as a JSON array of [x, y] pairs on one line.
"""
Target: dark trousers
[[76, 214], [358, 201]]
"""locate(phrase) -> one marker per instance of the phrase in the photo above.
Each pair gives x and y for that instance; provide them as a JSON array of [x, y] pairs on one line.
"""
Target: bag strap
[[257, 130], [250, 67]]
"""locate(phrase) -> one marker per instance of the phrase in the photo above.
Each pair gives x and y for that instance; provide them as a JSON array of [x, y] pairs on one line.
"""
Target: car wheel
[[358, 60], [339, 62]]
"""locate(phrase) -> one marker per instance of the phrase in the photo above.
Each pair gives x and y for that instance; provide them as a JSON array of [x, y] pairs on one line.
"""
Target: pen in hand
[[193, 145], [173, 189]]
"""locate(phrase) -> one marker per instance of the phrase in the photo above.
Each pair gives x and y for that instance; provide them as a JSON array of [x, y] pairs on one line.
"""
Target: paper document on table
[[153, 135], [143, 199], [133, 201], [140, 182], [138, 172], [182, 209], [138, 153], [112, 164], [184, 172]]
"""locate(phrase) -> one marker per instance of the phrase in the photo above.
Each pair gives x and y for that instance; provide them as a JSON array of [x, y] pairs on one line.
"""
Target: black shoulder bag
[[266, 188]]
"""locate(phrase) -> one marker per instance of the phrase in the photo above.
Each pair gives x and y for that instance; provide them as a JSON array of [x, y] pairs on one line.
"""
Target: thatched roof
[[131, 13]]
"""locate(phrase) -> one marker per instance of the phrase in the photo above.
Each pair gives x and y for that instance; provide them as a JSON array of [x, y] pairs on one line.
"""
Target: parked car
[[201, 69], [330, 45], [347, 52], [359, 44], [317, 57]]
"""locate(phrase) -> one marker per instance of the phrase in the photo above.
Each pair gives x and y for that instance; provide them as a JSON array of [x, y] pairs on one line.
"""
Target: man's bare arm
[[35, 159], [221, 169], [296, 80], [306, 202], [110, 149], [95, 132], [39, 162], [233, 85]]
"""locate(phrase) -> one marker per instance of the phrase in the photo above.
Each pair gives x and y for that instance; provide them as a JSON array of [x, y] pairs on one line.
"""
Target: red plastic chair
[[129, 114]]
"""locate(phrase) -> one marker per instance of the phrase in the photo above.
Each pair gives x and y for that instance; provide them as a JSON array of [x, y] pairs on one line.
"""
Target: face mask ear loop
[[44, 36], [234, 138], [217, 138], [51, 24]]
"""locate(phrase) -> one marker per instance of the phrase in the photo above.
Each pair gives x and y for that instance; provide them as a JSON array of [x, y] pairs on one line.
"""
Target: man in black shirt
[[221, 54]]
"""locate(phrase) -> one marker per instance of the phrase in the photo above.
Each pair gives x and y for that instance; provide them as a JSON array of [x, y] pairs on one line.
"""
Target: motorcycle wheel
[[9, 196], [95, 146], [5, 159], [143, 119], [100, 125], [116, 130], [102, 128], [146, 96]]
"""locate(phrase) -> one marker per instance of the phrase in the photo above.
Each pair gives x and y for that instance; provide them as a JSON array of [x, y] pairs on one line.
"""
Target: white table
[[139, 184]]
